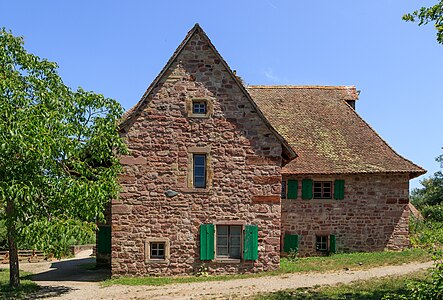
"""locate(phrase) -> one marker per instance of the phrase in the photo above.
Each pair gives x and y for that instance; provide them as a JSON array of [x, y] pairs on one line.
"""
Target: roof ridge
[[334, 87]]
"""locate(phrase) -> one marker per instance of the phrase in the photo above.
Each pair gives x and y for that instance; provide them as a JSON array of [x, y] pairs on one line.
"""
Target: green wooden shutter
[[206, 241], [250, 245], [290, 243], [332, 244], [104, 239], [339, 189], [292, 189], [306, 189]]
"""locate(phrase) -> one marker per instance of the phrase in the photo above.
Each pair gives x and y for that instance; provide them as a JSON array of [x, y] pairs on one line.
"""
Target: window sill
[[157, 261], [227, 260], [199, 116], [195, 190]]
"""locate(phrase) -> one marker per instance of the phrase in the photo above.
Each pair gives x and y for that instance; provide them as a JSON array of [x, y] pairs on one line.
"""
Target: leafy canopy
[[429, 14], [58, 150]]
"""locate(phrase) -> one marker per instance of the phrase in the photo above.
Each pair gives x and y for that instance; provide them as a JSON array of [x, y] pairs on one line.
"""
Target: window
[[157, 250], [232, 242], [199, 170], [321, 243], [229, 241], [322, 189], [283, 189], [199, 107]]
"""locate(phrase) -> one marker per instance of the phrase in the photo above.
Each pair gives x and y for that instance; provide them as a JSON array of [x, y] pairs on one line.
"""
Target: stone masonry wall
[[372, 217], [244, 171]]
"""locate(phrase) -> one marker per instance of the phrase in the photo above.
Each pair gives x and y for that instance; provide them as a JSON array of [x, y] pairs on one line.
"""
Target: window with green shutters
[[339, 189], [306, 189], [290, 243], [292, 189], [104, 239], [206, 241], [250, 245]]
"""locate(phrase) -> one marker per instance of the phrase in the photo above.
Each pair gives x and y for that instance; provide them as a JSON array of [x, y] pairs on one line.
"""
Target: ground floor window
[[321, 243], [228, 241], [157, 250]]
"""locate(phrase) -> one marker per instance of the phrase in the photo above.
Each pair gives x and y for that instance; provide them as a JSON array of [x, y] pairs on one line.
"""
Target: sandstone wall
[[244, 171], [372, 217]]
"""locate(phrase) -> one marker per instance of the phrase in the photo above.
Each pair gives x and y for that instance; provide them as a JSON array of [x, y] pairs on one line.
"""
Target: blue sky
[[118, 47]]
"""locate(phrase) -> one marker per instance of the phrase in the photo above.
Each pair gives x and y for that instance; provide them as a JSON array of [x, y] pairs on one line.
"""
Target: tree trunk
[[14, 275]]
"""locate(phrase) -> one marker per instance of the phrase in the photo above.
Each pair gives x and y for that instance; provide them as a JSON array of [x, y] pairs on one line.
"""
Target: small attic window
[[199, 107]]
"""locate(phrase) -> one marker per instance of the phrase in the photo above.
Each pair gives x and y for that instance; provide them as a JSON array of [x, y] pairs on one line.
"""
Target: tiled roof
[[328, 136]]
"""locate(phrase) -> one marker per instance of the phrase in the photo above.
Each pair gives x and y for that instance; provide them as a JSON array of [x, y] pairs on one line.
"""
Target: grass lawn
[[26, 286], [352, 261], [373, 289]]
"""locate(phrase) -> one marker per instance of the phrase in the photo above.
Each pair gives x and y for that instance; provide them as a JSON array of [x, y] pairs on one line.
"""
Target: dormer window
[[199, 107]]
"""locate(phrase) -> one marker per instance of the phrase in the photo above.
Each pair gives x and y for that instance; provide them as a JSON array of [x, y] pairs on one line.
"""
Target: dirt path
[[69, 279]]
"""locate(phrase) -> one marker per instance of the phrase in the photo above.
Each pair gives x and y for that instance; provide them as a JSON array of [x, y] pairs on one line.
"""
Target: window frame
[[201, 105], [190, 108], [325, 243], [322, 188], [229, 257], [284, 189], [157, 247], [204, 166], [189, 186], [148, 251]]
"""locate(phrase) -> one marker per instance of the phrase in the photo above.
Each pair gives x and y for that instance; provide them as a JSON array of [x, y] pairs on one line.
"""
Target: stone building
[[231, 177]]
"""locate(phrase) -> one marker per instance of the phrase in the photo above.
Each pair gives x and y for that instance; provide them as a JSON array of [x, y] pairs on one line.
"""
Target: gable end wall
[[245, 160]]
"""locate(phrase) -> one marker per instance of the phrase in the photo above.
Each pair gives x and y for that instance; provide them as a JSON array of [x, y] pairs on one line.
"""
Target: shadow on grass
[[28, 289]]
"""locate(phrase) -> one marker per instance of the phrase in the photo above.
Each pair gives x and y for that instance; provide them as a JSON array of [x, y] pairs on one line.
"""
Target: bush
[[433, 212], [428, 289], [426, 234]]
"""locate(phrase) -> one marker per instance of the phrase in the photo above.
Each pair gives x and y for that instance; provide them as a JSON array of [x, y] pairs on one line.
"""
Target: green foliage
[[58, 151], [426, 234], [429, 14], [431, 288]]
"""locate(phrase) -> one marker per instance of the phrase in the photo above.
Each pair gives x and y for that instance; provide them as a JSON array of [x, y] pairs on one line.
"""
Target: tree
[[429, 199], [58, 153], [429, 14]]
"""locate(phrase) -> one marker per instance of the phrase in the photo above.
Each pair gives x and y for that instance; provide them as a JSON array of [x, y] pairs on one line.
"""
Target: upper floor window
[[199, 170], [322, 190], [199, 107]]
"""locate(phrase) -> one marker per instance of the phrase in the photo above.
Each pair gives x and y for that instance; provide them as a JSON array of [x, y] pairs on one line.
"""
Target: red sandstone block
[[130, 160], [391, 201], [403, 201], [262, 160], [265, 199], [121, 209], [266, 179]]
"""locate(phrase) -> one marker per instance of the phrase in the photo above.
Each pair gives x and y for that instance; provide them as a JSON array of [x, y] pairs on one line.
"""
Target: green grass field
[[351, 261], [373, 289]]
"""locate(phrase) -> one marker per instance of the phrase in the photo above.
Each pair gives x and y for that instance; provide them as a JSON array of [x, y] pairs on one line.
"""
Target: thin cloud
[[269, 74]]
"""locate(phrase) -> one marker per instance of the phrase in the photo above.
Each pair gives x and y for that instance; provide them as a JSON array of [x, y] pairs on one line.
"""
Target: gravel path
[[67, 280]]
